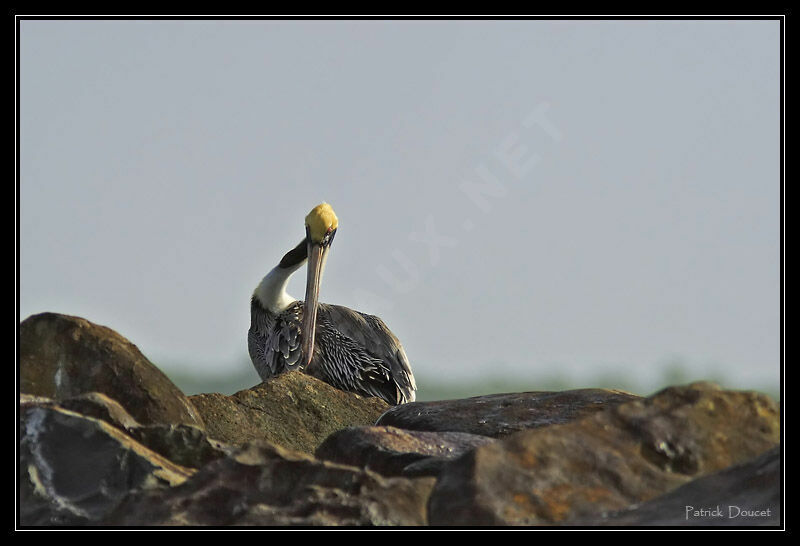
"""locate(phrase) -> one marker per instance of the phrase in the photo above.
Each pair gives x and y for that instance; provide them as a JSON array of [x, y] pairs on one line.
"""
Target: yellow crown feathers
[[320, 221]]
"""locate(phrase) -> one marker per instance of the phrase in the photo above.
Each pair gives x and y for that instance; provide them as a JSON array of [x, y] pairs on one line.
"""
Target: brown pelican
[[350, 350]]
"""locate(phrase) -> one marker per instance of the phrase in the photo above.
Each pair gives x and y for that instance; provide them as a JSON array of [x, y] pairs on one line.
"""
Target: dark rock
[[185, 445], [293, 410], [389, 450], [182, 444], [499, 415], [74, 469], [743, 495], [63, 357], [90, 404], [107, 439], [431, 466], [609, 461], [268, 485]]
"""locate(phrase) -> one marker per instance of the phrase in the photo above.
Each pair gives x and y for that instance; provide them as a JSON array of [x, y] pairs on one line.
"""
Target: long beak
[[317, 255]]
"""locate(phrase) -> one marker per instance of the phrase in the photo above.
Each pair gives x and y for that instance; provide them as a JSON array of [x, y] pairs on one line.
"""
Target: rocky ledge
[[106, 439]]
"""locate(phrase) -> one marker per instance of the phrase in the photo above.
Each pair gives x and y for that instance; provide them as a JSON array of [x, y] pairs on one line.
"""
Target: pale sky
[[514, 197]]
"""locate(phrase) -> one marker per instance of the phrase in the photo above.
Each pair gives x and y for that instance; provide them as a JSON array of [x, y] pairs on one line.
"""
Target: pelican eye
[[328, 238]]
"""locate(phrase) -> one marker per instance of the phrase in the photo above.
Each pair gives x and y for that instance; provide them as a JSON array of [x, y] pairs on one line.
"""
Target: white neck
[[271, 291]]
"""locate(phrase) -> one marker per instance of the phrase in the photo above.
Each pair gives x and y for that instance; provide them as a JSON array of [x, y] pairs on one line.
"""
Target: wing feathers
[[353, 351]]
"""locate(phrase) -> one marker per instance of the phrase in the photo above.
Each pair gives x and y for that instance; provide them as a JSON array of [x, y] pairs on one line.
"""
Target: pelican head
[[321, 226]]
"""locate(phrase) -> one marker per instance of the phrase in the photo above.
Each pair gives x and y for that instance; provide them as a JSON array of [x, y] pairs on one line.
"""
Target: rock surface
[[75, 469], [625, 455], [90, 404], [268, 485], [182, 444], [63, 356], [745, 494], [394, 452], [293, 410], [185, 445], [499, 415], [107, 439]]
